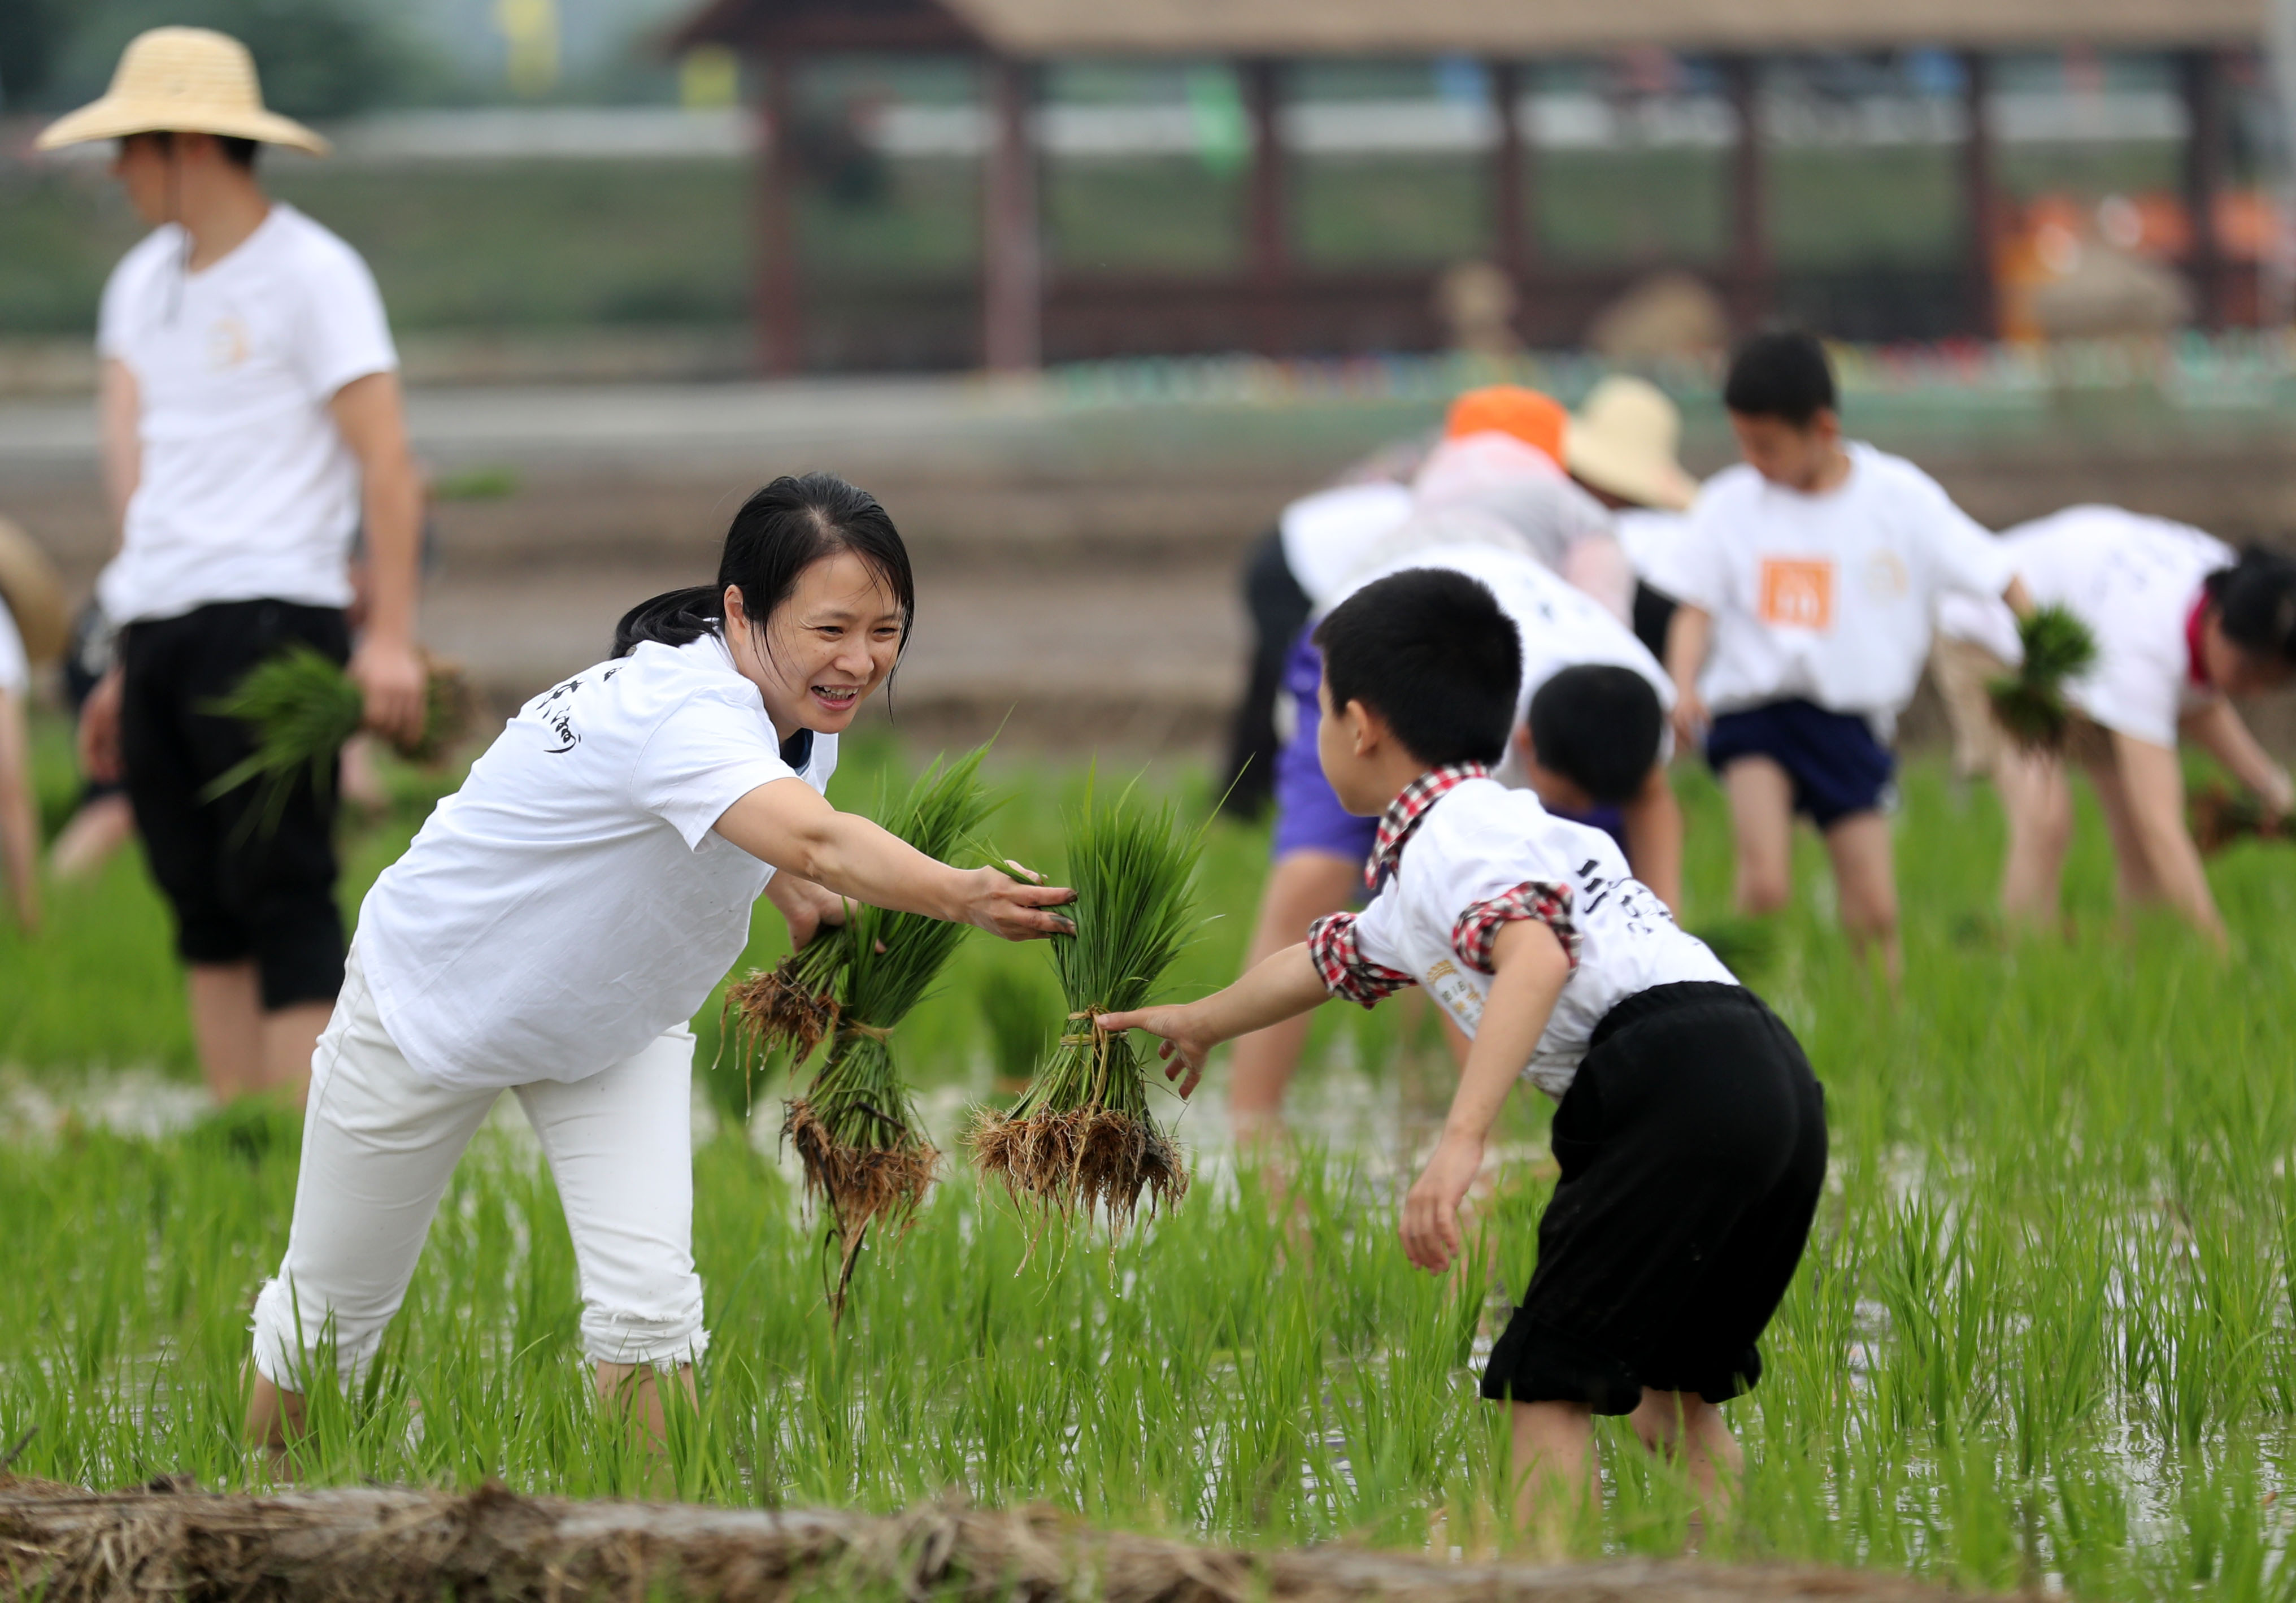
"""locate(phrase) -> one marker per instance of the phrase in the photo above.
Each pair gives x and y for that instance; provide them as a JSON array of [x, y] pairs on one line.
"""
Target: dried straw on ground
[[379, 1545]]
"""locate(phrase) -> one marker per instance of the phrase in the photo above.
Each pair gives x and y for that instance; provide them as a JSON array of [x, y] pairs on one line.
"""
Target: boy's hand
[[1185, 1045], [1431, 1211], [1690, 719]]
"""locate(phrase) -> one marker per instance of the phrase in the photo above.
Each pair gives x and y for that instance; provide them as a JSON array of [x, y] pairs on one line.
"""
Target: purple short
[[1308, 817]]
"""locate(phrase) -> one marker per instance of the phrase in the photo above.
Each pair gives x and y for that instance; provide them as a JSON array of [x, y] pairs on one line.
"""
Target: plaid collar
[[1401, 819]]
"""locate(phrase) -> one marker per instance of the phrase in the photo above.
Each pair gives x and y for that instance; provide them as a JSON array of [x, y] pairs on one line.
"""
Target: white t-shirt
[[2134, 580], [1826, 598], [1648, 535], [246, 491], [1324, 535], [1519, 484], [15, 668], [1560, 624], [571, 902], [1479, 842]]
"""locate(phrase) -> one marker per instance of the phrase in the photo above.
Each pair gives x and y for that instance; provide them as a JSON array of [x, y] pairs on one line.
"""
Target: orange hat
[[1510, 409]]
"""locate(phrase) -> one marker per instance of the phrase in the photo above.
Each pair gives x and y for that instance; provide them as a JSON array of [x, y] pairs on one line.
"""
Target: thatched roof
[[1520, 29]]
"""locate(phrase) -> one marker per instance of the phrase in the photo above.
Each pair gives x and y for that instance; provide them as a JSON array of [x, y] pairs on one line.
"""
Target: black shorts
[[1692, 1150], [237, 891], [1835, 765]]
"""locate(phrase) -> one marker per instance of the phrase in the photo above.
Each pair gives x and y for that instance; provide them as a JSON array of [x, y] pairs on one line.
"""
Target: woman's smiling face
[[832, 643]]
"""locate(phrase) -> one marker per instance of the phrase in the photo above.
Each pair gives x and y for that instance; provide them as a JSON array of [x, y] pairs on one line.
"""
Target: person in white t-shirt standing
[[251, 421], [2183, 623], [560, 918], [1807, 580]]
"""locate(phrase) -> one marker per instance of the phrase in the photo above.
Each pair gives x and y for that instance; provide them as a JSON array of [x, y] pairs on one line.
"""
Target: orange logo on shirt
[[1797, 592]]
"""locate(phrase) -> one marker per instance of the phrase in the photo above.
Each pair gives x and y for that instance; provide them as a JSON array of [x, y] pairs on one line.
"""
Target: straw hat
[[1623, 442], [188, 80], [34, 594]]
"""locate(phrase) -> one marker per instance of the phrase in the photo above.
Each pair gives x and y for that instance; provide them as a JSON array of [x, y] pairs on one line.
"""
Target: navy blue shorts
[[1836, 765]]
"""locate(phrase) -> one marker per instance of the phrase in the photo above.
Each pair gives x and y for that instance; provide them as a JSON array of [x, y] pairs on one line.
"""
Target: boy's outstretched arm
[[1283, 986], [1528, 971]]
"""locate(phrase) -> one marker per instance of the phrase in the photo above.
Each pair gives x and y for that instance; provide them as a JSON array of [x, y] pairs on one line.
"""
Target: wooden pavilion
[[1274, 304]]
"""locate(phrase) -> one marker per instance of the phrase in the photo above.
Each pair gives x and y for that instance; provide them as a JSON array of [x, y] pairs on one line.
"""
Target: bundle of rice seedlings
[[2218, 816], [1018, 1015], [303, 707], [1081, 1137], [2029, 704], [855, 1128]]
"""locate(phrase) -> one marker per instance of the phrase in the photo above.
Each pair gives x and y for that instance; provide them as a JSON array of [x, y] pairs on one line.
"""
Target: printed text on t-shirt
[[1797, 592]]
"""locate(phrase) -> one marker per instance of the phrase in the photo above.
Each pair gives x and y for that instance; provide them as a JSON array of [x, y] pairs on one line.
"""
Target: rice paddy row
[[2044, 1335]]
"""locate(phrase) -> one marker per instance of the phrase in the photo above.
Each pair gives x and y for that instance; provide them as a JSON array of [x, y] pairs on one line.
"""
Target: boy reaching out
[[1808, 579], [1691, 1133]]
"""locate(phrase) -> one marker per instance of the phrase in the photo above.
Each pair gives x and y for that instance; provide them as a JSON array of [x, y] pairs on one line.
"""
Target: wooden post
[[1750, 245], [1268, 225], [780, 291], [1012, 255], [1979, 195], [1514, 247], [2204, 153]]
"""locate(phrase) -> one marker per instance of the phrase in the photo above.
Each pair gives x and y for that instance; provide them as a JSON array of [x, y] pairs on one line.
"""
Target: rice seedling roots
[[1078, 1159], [860, 1184], [386, 1545], [780, 1008]]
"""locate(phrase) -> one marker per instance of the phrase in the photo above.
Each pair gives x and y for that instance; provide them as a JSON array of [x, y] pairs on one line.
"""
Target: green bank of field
[[2043, 1337]]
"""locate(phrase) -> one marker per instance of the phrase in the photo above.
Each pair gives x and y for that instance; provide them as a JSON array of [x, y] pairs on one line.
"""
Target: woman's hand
[[1430, 1210], [1187, 1041], [1013, 907], [806, 907]]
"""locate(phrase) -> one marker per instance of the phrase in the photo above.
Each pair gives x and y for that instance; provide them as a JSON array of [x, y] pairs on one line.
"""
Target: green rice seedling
[[1081, 1135], [1017, 1014], [1747, 947], [855, 1128], [2029, 704], [303, 707]]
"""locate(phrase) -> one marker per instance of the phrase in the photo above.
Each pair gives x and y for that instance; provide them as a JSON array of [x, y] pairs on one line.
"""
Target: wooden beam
[[1980, 196], [1267, 221], [1514, 241], [1749, 243], [781, 290], [1011, 251], [2202, 72]]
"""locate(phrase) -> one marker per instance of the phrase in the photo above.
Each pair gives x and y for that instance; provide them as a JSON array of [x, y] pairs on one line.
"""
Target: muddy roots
[[781, 1008], [1079, 1159], [859, 1185]]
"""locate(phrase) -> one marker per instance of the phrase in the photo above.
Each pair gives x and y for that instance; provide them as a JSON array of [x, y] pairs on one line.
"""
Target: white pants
[[379, 1144]]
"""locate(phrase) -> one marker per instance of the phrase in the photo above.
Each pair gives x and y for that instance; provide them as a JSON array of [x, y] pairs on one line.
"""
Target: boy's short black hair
[[1598, 725], [1783, 374], [1430, 651]]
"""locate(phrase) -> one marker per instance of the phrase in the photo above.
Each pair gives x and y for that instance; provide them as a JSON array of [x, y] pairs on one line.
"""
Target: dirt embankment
[[373, 1545]]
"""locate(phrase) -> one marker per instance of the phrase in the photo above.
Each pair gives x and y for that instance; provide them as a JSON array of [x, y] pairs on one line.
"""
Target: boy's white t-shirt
[[1561, 625], [1480, 841], [1826, 598], [1324, 535], [571, 901], [15, 667], [1648, 535], [2134, 580], [246, 490]]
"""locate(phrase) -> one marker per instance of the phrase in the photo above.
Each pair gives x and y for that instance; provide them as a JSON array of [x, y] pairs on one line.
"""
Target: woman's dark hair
[[780, 532], [2255, 601], [1430, 651]]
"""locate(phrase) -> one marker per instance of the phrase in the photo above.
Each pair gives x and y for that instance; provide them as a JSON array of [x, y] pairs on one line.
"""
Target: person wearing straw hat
[[251, 421], [33, 625], [1620, 446]]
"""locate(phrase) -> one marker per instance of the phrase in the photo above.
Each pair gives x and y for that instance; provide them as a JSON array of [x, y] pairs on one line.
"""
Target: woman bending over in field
[[558, 921], [2183, 623]]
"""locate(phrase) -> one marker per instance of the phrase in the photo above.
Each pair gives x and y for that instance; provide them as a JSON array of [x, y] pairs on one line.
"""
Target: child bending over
[[1691, 1133]]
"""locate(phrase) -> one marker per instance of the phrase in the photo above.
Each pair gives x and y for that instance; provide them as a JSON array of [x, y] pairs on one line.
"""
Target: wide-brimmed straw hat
[[185, 80], [1623, 441], [34, 594]]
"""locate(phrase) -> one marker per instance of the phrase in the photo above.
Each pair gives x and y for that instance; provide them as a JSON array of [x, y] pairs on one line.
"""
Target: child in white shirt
[[1808, 579], [1691, 1133], [2183, 623]]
